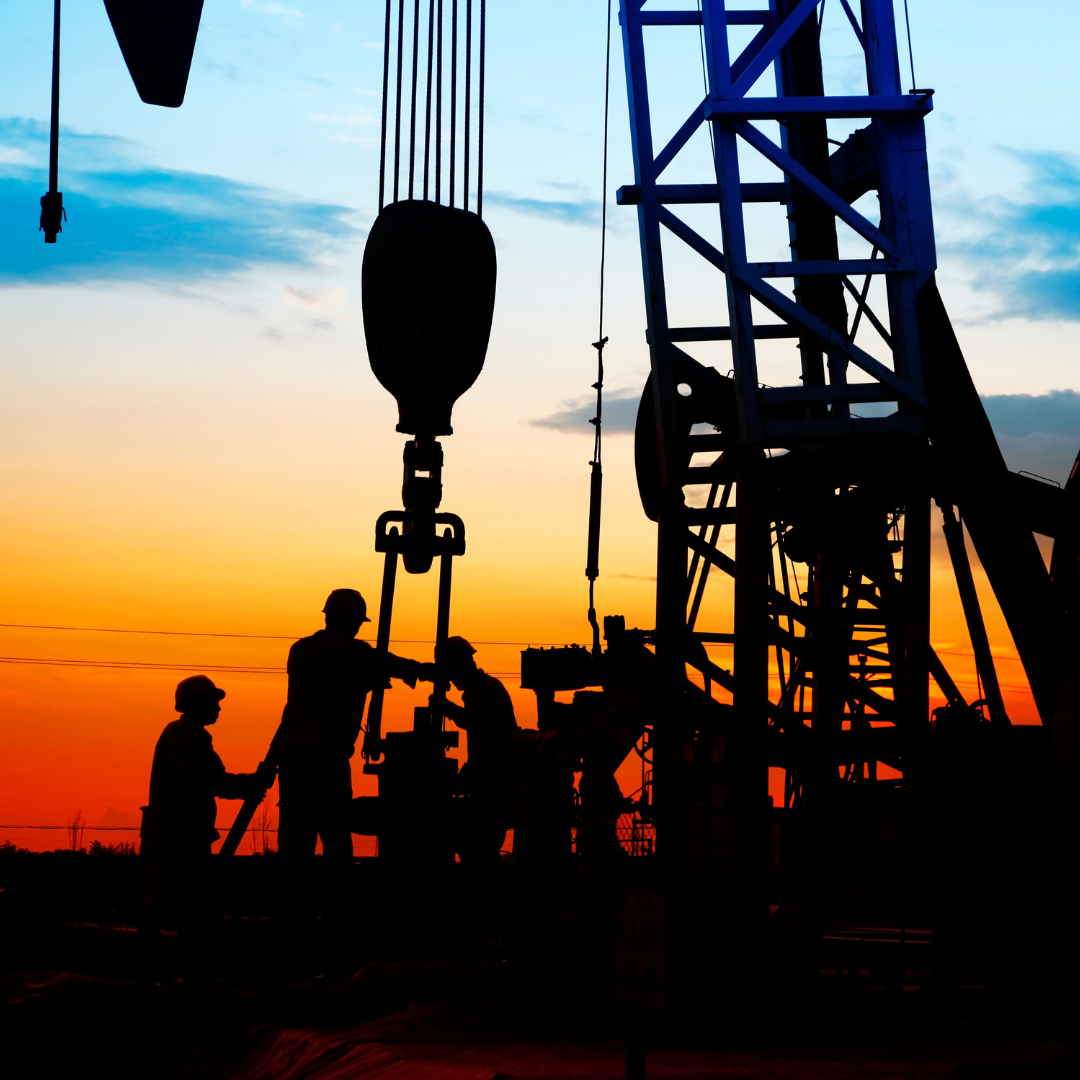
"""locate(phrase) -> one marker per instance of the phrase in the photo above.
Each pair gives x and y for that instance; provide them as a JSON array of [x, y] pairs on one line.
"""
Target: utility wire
[[256, 637], [396, 641]]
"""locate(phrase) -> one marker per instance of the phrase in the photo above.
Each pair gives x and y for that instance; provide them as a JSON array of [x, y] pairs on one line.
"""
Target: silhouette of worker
[[330, 676], [178, 828], [487, 715]]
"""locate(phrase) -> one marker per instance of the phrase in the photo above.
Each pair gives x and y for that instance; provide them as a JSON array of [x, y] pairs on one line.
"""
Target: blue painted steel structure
[[901, 243], [808, 668]]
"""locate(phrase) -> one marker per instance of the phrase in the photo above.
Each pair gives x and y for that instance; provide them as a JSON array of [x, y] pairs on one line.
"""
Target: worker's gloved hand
[[264, 774], [256, 789], [372, 746], [442, 705], [428, 673]]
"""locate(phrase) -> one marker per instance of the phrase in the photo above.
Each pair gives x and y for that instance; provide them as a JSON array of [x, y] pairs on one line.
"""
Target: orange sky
[[81, 738]]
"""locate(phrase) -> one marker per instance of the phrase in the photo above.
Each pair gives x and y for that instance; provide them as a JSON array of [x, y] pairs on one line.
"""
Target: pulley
[[428, 297]]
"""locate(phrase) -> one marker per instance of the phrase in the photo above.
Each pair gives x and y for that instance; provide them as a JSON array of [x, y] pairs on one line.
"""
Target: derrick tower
[[810, 497]]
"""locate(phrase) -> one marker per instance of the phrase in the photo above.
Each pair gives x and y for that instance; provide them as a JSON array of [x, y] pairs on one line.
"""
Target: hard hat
[[453, 651], [346, 602], [189, 690]]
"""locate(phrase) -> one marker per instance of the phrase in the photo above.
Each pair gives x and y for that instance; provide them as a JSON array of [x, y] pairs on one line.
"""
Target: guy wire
[[911, 55]]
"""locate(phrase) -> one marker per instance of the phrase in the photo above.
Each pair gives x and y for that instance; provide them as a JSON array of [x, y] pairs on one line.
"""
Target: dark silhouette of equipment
[[824, 484], [157, 38], [428, 296]]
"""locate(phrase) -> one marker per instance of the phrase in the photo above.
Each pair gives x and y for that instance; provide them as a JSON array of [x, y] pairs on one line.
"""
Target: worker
[[186, 779], [330, 676], [487, 716]]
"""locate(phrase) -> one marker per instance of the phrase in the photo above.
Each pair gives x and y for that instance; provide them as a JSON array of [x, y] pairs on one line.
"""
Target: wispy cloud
[[129, 221], [620, 413], [579, 212], [271, 8], [1039, 433], [1028, 251]]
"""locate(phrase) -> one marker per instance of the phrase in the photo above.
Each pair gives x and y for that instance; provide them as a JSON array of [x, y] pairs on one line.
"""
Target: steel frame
[[880, 609]]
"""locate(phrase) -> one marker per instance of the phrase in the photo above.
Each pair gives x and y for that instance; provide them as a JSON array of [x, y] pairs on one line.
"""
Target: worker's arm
[[408, 671], [227, 785], [451, 710]]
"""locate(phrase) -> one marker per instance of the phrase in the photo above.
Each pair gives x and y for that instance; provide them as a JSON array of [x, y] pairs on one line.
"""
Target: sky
[[191, 440]]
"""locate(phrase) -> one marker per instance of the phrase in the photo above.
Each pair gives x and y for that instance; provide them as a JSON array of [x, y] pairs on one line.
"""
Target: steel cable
[[385, 87]]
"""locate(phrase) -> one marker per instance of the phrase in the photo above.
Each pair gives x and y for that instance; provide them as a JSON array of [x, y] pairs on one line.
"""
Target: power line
[[256, 637], [136, 665], [108, 828]]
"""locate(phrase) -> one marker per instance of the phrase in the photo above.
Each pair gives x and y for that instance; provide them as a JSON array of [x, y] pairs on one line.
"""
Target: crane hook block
[[428, 294], [157, 38]]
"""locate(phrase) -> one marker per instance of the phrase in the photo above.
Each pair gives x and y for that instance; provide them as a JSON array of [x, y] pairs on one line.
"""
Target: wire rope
[[438, 108], [385, 102], [911, 55], [397, 106], [468, 105], [453, 96], [412, 111], [596, 468], [480, 114], [427, 115]]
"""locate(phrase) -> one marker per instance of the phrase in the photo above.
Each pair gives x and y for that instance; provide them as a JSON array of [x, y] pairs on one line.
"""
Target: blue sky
[[222, 241]]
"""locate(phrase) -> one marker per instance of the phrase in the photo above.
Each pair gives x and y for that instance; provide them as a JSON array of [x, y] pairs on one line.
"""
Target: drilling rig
[[813, 501]]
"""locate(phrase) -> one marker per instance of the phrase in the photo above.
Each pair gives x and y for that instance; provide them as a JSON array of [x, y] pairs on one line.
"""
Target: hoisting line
[[413, 79], [596, 478], [52, 204], [385, 102]]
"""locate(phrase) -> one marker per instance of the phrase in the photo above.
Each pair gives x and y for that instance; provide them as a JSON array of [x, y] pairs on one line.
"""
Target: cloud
[[1030, 254], [581, 212], [114, 818], [620, 413], [1025, 414], [1038, 433], [323, 302], [273, 9], [129, 221]]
